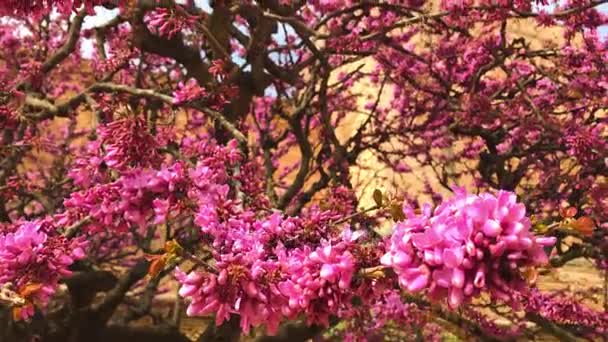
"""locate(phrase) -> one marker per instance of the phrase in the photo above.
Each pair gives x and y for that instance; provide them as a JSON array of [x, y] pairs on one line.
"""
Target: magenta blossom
[[469, 244], [169, 22], [33, 254], [319, 280], [188, 92]]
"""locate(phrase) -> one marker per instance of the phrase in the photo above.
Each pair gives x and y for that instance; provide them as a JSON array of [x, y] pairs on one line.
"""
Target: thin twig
[[73, 229]]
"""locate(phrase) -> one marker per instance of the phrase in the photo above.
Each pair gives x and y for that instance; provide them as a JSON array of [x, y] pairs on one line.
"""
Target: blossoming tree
[[195, 151]]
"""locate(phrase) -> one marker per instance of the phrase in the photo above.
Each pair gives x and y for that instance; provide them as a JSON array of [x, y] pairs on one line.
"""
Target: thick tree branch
[[103, 310], [69, 45], [59, 110], [173, 48], [293, 332], [306, 155], [84, 285], [575, 252], [553, 329]]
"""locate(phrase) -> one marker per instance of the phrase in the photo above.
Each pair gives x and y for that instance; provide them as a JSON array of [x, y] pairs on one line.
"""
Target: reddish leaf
[[17, 313], [28, 290], [584, 225], [567, 212], [156, 266]]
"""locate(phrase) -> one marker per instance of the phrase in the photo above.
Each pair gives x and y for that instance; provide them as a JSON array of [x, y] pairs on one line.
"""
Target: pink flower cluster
[[469, 244], [491, 328], [135, 198], [188, 92], [266, 283], [562, 309], [168, 21], [32, 253], [89, 168], [318, 281], [265, 268], [37, 7], [191, 91], [244, 284], [9, 99], [587, 144], [128, 143]]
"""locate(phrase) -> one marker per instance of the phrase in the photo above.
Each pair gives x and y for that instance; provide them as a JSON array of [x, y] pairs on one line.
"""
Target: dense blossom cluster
[[169, 22], [318, 281], [38, 7], [587, 144], [380, 306], [188, 92], [469, 244], [262, 271], [34, 257], [8, 115], [128, 141], [562, 309], [266, 285], [134, 199]]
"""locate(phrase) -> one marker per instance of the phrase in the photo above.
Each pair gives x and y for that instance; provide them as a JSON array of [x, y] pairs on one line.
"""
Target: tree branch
[[293, 332], [103, 311], [58, 110], [69, 45], [552, 328]]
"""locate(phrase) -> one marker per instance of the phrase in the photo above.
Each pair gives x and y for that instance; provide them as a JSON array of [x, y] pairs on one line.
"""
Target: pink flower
[[469, 244], [128, 143], [33, 253], [168, 21], [188, 92], [319, 281], [586, 144]]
